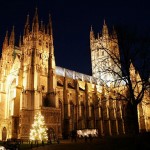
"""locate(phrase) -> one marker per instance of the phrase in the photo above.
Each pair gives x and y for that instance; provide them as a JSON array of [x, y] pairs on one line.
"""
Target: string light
[[39, 129]]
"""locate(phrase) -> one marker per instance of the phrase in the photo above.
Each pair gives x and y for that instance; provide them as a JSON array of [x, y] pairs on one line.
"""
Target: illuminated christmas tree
[[39, 130]]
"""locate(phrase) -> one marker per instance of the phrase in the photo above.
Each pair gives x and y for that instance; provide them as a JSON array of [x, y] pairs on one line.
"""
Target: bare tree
[[130, 85]]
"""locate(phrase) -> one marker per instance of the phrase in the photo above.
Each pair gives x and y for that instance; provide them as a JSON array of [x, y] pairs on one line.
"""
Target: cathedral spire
[[98, 35], [92, 37], [27, 26], [44, 28], [105, 31], [91, 29], [12, 37], [5, 43], [20, 43], [27, 21], [114, 34], [35, 23], [50, 27], [41, 26], [104, 22]]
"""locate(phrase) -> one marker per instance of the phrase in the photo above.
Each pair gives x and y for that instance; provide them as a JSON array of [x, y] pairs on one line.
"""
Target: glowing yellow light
[[39, 130]]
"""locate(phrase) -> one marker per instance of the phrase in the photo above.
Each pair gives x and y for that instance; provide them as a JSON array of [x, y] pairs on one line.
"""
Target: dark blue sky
[[71, 23]]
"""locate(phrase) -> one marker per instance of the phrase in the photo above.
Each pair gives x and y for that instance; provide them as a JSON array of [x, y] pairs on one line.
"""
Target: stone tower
[[39, 63], [39, 77], [102, 48], [28, 79]]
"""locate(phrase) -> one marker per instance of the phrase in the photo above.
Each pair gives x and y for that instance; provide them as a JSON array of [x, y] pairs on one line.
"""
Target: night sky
[[72, 20]]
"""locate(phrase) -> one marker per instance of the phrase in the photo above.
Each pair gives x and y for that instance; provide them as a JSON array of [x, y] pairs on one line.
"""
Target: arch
[[11, 94], [4, 134], [71, 85], [59, 82]]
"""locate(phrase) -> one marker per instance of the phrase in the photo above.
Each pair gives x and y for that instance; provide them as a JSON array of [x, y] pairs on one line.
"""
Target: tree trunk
[[131, 119]]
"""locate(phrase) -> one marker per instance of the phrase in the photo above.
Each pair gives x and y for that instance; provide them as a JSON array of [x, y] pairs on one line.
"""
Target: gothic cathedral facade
[[30, 82]]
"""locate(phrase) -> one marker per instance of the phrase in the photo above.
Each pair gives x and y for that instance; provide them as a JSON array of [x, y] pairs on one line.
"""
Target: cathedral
[[30, 82]]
